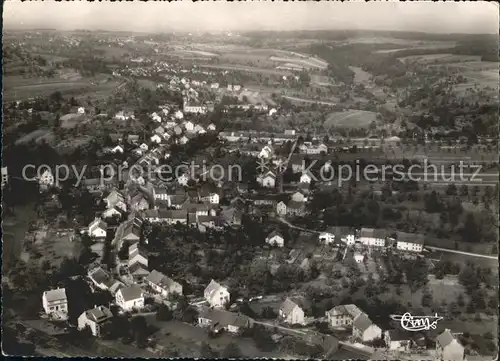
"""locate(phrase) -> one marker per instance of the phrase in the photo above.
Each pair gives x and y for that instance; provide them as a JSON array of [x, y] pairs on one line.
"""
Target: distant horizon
[[243, 17]]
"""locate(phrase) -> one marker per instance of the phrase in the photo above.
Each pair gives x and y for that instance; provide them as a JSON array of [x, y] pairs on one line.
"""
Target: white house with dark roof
[[130, 298], [281, 208], [162, 284], [219, 320], [97, 229], [267, 180], [112, 212], [411, 242], [216, 294], [55, 303], [343, 315], [291, 313], [372, 237], [95, 319], [448, 348], [275, 239], [305, 178], [364, 329]]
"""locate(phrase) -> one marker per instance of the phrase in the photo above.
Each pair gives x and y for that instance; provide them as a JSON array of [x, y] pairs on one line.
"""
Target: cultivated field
[[250, 69], [35, 135], [350, 119]]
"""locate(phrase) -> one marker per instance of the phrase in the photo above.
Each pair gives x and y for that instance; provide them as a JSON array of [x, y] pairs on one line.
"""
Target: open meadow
[[350, 119], [19, 88]]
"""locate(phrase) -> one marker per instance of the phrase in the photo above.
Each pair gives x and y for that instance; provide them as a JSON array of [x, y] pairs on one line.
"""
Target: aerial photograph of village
[[287, 180]]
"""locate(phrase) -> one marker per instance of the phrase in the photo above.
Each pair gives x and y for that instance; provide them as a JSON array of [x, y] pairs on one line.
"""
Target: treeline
[[87, 66]]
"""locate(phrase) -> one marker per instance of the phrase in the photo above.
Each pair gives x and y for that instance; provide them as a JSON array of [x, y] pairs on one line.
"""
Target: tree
[[139, 330], [232, 351], [426, 300], [262, 338], [451, 190], [164, 313], [470, 230]]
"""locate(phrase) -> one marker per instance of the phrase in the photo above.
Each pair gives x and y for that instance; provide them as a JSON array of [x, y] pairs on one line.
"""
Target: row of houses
[[411, 242]]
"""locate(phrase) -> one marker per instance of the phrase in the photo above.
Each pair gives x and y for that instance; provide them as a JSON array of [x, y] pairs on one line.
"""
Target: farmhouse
[[448, 347], [55, 303], [95, 319], [163, 285], [219, 320], [409, 242], [364, 329], [291, 313], [130, 298], [281, 208], [343, 316], [97, 229], [103, 280], [275, 239], [267, 180], [216, 295], [372, 237]]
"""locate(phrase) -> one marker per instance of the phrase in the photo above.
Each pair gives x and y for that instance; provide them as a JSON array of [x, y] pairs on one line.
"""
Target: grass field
[[360, 76], [14, 229], [440, 58], [19, 88], [34, 135], [350, 119]]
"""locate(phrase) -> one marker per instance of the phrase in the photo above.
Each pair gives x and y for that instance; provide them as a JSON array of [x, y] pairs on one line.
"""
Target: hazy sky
[[441, 17]]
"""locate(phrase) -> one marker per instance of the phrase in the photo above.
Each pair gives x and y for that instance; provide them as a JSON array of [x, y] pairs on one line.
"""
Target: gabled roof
[[137, 269], [287, 306], [362, 322], [132, 292], [272, 234], [58, 294], [350, 309], [212, 286], [410, 237], [340, 231], [445, 338], [370, 232], [161, 280], [224, 318], [99, 314], [99, 275]]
